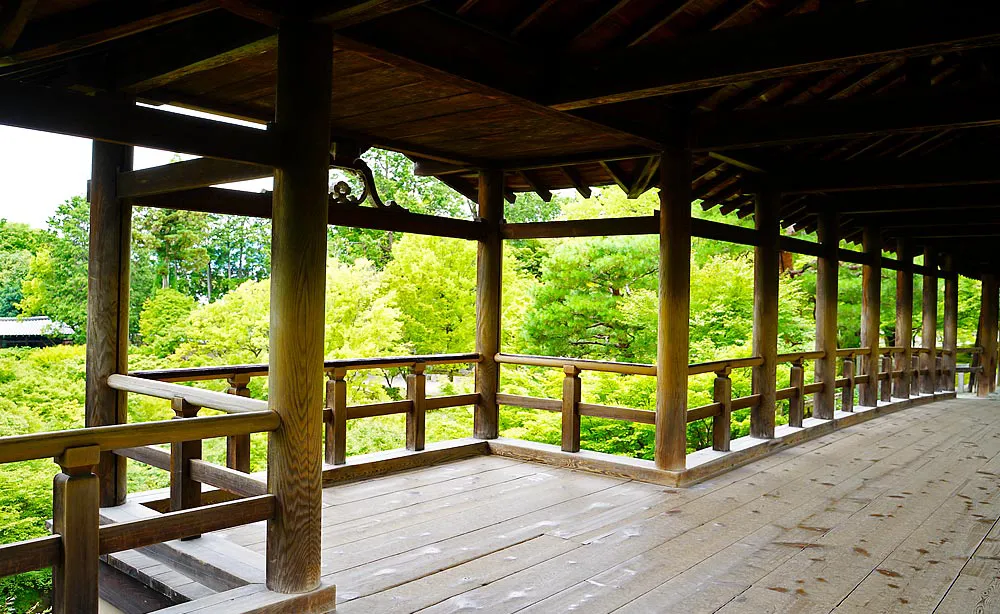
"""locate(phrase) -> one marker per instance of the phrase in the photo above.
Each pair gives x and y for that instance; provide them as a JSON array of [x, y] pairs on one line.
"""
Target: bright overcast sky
[[40, 170]]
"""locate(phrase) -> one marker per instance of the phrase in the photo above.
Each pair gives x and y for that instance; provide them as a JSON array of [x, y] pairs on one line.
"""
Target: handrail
[[848, 352], [624, 368], [193, 374], [53, 443], [804, 355], [726, 363], [208, 399]]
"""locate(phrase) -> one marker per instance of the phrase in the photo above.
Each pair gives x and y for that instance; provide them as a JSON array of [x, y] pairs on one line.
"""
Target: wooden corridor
[[895, 514]]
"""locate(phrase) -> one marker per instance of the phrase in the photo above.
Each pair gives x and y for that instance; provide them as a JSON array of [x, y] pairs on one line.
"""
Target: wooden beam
[[871, 306], [95, 24], [424, 168], [811, 42], [13, 17], [949, 198], [904, 319], [846, 119], [765, 312], [108, 308], [949, 339], [673, 315], [298, 262], [644, 176], [927, 172], [103, 119], [186, 175], [574, 178], [343, 14], [489, 264], [535, 185]]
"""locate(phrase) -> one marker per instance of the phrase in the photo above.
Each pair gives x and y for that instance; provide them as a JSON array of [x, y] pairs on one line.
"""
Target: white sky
[[40, 170]]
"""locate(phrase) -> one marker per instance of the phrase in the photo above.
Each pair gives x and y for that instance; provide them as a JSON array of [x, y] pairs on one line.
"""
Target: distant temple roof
[[35, 326]]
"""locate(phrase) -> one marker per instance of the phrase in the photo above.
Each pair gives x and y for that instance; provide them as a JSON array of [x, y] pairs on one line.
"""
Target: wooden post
[[722, 422], [238, 446], [765, 312], [847, 399], [904, 319], [572, 392], [949, 341], [796, 405], [986, 379], [928, 335], [185, 493], [871, 304], [336, 427], [416, 419], [107, 307], [489, 265], [298, 280], [670, 449], [75, 516], [915, 362], [885, 385], [826, 314], [939, 371]]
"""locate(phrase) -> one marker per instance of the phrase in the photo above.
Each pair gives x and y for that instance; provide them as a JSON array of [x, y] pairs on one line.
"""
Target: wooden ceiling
[[885, 109]]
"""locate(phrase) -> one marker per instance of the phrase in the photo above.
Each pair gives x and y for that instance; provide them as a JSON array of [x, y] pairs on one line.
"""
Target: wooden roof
[[883, 109]]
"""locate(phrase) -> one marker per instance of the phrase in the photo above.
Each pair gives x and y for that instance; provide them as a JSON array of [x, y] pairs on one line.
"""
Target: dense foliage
[[200, 296]]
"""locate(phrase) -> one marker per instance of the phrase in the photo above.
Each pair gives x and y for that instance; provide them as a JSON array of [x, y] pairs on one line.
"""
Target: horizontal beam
[[850, 35], [843, 119], [187, 175], [427, 168], [896, 174], [945, 198], [622, 226], [235, 202], [103, 119]]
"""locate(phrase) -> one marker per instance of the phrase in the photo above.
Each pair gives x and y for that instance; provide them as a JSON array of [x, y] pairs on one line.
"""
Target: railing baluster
[[796, 405], [848, 394], [572, 394], [185, 493], [885, 385], [416, 418], [238, 446], [722, 422], [336, 428], [75, 516]]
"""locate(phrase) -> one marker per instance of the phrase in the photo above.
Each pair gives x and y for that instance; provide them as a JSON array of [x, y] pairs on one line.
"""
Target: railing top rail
[[627, 368], [194, 374], [852, 351], [53, 443], [804, 355], [219, 401], [726, 363], [974, 349]]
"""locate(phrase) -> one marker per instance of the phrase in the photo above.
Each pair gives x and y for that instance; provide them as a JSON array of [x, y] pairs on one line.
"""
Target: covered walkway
[[894, 514]]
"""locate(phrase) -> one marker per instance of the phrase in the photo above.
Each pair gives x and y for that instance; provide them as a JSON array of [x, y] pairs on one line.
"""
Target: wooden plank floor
[[898, 514]]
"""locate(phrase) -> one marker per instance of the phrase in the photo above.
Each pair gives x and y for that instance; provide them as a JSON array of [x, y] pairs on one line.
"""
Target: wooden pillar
[[416, 419], [826, 314], [986, 380], [949, 341], [670, 451], [765, 312], [885, 385], [336, 426], [298, 280], [904, 319], [871, 305], [238, 446], [928, 335], [75, 516], [796, 405], [847, 402], [722, 422], [107, 307], [489, 265], [572, 393], [185, 493]]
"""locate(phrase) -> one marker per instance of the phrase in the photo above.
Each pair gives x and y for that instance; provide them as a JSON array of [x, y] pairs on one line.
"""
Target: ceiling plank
[[13, 17], [852, 176]]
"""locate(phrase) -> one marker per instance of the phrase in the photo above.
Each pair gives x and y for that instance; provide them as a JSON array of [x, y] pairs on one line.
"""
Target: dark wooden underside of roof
[[884, 110]]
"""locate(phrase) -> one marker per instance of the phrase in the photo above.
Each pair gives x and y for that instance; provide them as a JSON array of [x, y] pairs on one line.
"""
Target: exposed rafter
[[13, 17]]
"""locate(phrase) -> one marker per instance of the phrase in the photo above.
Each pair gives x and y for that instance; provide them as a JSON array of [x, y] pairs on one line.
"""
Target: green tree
[[176, 241], [162, 319]]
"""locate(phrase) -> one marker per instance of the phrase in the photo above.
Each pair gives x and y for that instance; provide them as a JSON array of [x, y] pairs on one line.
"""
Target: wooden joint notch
[[80, 460], [183, 409]]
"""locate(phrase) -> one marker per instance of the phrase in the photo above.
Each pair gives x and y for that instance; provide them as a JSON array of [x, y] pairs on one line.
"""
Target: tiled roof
[[34, 326]]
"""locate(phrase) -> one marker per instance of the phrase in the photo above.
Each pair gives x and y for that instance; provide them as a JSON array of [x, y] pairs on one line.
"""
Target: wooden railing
[[79, 538], [337, 412], [723, 404]]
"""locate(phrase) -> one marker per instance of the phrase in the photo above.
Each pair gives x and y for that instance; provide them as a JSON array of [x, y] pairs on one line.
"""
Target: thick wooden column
[[298, 279], [489, 265], [107, 307], [904, 319], [674, 305], [765, 312], [986, 381], [928, 335], [826, 314], [950, 339], [871, 305]]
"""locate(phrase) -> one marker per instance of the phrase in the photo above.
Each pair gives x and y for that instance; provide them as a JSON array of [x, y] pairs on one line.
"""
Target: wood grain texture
[[571, 394], [986, 380], [75, 504], [904, 319], [673, 310], [765, 312], [847, 394], [489, 265], [238, 446], [827, 267], [949, 340], [107, 306], [722, 393], [416, 418], [871, 306], [336, 426], [796, 402], [298, 262], [928, 335]]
